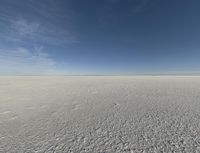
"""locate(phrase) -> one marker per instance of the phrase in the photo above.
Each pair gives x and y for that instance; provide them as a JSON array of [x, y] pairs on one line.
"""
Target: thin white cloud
[[44, 22], [109, 13], [24, 61], [24, 28], [140, 6], [113, 1], [40, 23]]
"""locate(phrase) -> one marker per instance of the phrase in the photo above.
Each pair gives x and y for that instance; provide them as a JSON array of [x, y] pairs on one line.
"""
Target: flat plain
[[99, 114]]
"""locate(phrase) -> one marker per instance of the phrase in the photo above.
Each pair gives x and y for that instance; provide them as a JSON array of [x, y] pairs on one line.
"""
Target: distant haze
[[105, 37]]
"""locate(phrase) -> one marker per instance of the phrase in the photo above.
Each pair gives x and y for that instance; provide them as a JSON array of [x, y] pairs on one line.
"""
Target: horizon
[[108, 37], [152, 74]]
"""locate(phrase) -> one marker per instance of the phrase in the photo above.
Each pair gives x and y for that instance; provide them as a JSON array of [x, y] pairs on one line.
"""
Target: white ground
[[99, 114]]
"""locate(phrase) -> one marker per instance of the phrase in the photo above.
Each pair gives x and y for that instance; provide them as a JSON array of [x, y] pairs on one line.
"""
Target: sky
[[99, 37]]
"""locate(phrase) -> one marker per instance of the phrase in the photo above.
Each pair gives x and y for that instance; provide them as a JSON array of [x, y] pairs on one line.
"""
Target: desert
[[99, 114]]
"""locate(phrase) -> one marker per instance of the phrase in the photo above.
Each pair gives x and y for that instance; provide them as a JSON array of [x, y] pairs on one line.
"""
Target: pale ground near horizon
[[99, 114]]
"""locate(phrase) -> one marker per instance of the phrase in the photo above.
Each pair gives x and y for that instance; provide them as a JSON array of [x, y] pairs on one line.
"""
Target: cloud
[[44, 22], [113, 1], [136, 5], [110, 12], [29, 23], [25, 28], [22, 30], [140, 6], [24, 61]]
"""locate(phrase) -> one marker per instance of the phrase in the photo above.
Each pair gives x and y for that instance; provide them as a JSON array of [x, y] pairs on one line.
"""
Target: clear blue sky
[[99, 36]]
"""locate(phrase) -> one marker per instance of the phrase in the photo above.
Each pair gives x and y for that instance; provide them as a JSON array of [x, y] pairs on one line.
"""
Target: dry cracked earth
[[99, 114]]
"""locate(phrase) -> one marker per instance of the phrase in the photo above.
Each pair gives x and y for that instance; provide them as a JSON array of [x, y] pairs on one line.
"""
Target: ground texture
[[99, 114]]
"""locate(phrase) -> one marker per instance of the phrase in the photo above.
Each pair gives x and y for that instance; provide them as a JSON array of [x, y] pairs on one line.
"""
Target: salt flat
[[99, 114]]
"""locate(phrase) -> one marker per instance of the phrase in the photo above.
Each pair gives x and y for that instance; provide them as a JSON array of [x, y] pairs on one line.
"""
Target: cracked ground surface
[[99, 114]]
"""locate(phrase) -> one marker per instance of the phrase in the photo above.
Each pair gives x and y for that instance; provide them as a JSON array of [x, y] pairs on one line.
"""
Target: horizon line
[[140, 74]]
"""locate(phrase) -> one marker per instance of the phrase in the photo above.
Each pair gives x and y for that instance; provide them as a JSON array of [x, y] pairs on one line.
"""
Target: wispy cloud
[[31, 23], [22, 27], [23, 61], [42, 22], [110, 12], [113, 1], [141, 5], [23, 30]]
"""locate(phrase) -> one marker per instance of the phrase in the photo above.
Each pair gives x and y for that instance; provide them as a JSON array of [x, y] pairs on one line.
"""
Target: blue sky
[[99, 36]]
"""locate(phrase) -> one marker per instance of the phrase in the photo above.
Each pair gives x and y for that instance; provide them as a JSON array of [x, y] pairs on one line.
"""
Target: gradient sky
[[99, 36]]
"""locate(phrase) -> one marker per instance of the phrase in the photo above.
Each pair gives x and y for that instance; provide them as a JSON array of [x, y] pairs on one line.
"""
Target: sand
[[99, 114]]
